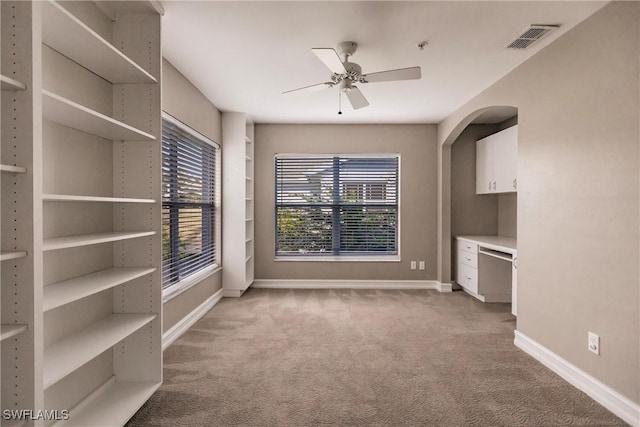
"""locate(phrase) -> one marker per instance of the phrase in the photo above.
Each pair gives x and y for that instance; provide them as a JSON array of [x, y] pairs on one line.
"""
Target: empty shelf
[[76, 116], [12, 169], [249, 141], [72, 198], [4, 256], [8, 331], [111, 404], [66, 34], [7, 83], [248, 259], [91, 239], [64, 356], [67, 291], [114, 8]]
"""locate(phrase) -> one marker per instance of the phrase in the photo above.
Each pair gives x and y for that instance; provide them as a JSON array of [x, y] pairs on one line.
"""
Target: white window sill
[[313, 258], [183, 285]]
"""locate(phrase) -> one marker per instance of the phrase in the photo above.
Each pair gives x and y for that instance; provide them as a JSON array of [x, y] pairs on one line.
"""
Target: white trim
[[445, 287], [188, 321], [343, 258], [344, 284], [364, 258], [601, 393], [176, 289]]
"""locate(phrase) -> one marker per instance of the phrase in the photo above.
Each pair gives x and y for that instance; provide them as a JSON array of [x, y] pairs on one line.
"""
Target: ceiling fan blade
[[410, 73], [330, 58], [356, 98], [309, 89]]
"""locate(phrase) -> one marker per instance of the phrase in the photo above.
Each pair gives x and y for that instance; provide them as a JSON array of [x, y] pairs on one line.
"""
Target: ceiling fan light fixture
[[344, 73]]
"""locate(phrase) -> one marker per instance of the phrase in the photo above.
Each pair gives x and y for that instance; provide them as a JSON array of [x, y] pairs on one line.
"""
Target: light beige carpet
[[359, 358]]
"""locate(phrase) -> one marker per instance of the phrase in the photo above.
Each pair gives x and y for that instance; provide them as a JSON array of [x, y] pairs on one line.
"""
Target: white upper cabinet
[[484, 166], [497, 162], [506, 160]]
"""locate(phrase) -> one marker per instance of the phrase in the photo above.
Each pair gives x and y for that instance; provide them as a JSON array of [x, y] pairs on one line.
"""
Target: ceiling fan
[[346, 73]]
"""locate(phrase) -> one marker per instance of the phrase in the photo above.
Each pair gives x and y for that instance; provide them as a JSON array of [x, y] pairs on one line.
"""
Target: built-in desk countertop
[[498, 243]]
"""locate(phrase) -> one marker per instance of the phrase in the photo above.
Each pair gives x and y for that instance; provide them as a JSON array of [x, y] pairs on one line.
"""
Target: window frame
[[176, 288], [346, 257]]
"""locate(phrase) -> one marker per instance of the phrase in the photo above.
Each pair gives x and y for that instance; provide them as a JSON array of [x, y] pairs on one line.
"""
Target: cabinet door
[[484, 166], [506, 160]]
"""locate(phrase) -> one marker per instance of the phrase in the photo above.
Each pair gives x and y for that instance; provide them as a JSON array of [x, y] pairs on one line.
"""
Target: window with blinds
[[336, 205], [188, 201]]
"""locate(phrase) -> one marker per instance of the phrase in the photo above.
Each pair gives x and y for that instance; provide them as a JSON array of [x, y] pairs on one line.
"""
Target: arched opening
[[460, 210]]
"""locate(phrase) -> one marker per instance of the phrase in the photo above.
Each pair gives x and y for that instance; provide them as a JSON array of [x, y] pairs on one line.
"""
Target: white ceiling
[[243, 55]]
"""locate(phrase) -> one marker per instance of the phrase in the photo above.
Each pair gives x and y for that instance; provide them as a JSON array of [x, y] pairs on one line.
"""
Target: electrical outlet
[[421, 265], [413, 265], [594, 343]]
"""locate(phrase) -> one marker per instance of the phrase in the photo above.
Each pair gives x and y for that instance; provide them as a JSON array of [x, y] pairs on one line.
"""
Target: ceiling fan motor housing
[[353, 74]]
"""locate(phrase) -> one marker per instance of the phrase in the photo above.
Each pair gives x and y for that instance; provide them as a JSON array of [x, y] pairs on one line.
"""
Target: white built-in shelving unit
[[81, 214], [238, 203], [19, 125]]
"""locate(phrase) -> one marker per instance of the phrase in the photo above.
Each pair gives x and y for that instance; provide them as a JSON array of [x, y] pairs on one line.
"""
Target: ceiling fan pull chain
[[340, 102]]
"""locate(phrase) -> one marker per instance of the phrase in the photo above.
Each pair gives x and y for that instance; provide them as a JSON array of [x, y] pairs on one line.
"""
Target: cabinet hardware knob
[[515, 183], [489, 185], [494, 185]]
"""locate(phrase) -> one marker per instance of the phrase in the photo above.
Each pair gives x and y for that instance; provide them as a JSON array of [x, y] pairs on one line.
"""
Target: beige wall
[[470, 213], [183, 101], [508, 215], [417, 147], [578, 192]]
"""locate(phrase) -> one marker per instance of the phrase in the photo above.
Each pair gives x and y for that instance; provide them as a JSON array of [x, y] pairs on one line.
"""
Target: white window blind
[[336, 205], [188, 202]]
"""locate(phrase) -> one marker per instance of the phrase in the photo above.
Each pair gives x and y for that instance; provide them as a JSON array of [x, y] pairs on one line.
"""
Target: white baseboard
[[187, 321], [445, 287], [601, 393], [345, 284]]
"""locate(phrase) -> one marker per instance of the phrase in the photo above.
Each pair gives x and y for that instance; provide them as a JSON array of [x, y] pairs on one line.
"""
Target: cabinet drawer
[[466, 246], [467, 277], [467, 258]]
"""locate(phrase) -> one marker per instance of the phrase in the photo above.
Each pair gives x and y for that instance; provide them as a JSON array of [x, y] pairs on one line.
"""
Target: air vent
[[530, 35]]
